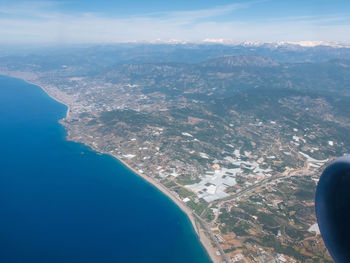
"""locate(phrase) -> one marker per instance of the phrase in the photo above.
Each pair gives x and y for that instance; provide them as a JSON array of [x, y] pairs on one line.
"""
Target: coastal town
[[244, 174]]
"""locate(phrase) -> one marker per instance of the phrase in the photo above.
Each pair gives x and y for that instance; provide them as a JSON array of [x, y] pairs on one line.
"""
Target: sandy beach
[[47, 91], [206, 242], [202, 236], [30, 78]]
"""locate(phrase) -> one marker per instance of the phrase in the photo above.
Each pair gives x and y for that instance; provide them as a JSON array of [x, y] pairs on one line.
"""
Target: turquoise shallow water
[[62, 202]]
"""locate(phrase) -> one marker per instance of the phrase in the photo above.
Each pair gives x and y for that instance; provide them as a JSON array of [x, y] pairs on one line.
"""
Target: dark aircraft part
[[333, 208]]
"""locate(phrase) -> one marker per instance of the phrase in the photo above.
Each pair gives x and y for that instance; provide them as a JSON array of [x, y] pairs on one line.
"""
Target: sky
[[102, 21]]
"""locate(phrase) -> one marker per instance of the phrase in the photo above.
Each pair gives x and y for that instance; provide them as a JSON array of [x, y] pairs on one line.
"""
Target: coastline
[[52, 97], [205, 241], [21, 75]]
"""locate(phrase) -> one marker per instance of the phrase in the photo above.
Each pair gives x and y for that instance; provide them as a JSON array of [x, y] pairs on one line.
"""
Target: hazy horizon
[[59, 22]]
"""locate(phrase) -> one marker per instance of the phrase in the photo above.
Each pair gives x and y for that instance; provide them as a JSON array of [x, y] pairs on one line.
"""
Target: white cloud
[[41, 23]]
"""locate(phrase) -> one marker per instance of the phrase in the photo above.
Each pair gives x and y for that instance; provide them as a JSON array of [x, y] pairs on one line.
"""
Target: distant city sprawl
[[238, 135]]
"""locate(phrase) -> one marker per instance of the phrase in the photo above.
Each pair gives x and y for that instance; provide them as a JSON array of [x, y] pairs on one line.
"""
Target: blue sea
[[62, 202]]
